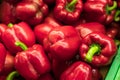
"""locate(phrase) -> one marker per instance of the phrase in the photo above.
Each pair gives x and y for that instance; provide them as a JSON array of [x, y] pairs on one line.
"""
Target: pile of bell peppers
[[58, 39]]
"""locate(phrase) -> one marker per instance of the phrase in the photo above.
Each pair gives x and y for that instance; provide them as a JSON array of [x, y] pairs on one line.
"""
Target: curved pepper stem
[[70, 6], [117, 14], [110, 8], [10, 25], [21, 45], [12, 75], [94, 49]]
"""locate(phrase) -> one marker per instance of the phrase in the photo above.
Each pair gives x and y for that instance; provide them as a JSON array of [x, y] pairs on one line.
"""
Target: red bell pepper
[[96, 75], [58, 68], [51, 20], [68, 11], [17, 32], [102, 11], [62, 42], [77, 71], [8, 65], [3, 53], [87, 28], [3, 27], [41, 31], [80, 21], [113, 30], [97, 49], [7, 13], [33, 12], [32, 62]]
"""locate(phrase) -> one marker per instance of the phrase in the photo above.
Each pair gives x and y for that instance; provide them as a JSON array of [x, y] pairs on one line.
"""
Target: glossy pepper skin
[[68, 11], [87, 28], [3, 27], [8, 64], [77, 71], [7, 13], [31, 11], [102, 11], [17, 32], [62, 42], [3, 53], [41, 31], [32, 62], [51, 20], [97, 49]]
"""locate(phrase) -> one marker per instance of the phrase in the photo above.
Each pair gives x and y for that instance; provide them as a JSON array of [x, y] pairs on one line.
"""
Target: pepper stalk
[[94, 49], [21, 45], [116, 17], [12, 75], [70, 6], [10, 25], [110, 8]]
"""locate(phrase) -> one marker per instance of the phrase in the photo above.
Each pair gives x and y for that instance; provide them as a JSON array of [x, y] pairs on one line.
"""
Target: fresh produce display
[[2, 56], [62, 42], [68, 11], [97, 49], [105, 10], [82, 69], [17, 32], [32, 62], [59, 39]]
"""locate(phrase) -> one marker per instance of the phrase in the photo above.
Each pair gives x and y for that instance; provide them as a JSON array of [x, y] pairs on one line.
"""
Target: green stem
[[12, 75], [116, 17], [21, 45], [94, 48], [10, 25], [110, 8], [70, 6]]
